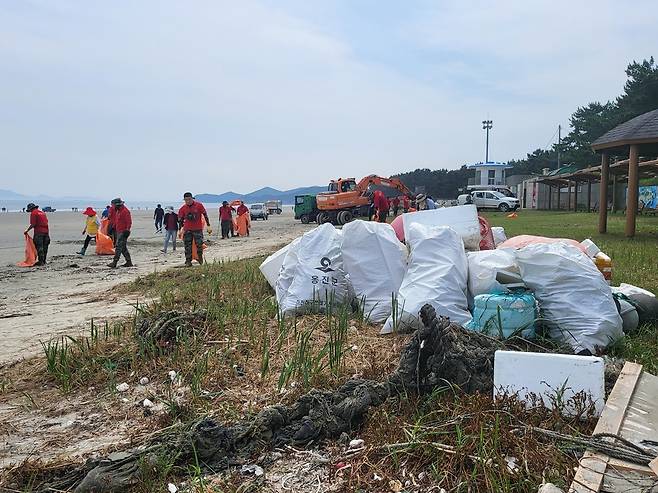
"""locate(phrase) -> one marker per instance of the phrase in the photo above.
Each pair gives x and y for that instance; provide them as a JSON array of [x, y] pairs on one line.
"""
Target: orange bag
[[104, 244], [194, 255], [242, 225], [105, 224], [30, 253]]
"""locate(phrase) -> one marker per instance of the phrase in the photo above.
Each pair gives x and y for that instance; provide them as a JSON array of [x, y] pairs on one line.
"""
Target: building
[[487, 174]]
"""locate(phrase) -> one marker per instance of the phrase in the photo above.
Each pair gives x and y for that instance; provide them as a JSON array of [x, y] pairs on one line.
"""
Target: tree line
[[587, 124]]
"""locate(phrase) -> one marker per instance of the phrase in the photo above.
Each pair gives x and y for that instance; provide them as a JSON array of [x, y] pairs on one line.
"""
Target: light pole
[[487, 125]]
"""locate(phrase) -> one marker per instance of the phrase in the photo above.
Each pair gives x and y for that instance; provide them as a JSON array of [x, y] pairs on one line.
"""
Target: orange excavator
[[346, 199]]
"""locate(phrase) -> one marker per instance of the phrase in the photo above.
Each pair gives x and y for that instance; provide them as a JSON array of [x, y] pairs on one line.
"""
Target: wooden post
[[575, 196], [568, 195], [614, 193], [559, 189], [589, 195], [603, 193], [633, 189], [550, 196]]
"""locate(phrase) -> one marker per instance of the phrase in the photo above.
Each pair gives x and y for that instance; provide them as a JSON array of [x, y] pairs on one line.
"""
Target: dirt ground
[[37, 304]]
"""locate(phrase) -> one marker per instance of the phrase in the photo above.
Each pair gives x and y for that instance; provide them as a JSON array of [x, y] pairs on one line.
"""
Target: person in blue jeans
[[171, 228]]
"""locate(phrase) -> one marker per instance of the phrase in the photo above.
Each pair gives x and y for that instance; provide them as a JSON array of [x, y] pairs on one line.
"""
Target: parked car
[[490, 200], [274, 206], [258, 211], [48, 209]]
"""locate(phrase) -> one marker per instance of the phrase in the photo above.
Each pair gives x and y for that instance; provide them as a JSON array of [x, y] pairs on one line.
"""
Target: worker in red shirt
[[396, 205], [39, 222], [190, 218], [122, 222], [226, 220], [381, 205]]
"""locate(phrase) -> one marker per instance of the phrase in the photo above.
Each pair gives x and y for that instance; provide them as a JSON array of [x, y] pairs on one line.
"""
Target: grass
[[635, 261]]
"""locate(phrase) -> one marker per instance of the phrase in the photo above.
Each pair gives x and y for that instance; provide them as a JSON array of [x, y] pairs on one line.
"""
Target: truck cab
[[306, 208]]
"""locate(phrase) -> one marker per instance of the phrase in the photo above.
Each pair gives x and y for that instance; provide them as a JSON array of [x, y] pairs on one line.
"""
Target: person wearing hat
[[158, 216], [171, 227], [39, 222], [92, 225], [191, 217], [226, 220], [421, 202], [122, 221]]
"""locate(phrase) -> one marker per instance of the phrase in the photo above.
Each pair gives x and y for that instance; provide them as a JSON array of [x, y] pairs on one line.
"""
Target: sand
[[37, 304]]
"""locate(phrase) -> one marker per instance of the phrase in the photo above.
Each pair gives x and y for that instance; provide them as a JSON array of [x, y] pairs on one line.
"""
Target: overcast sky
[[147, 99]]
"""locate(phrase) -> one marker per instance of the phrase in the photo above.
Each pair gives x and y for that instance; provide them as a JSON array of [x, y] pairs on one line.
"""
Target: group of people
[[191, 219]]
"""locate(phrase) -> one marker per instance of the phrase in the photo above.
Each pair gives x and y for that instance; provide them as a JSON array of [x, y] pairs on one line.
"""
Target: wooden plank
[[589, 476]]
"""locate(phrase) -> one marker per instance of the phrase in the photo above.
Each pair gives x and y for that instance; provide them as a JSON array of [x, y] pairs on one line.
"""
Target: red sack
[[486, 235], [194, 254], [105, 224], [30, 253], [104, 244]]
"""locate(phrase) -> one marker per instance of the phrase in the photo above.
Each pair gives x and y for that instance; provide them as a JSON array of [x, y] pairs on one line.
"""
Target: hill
[[261, 195]]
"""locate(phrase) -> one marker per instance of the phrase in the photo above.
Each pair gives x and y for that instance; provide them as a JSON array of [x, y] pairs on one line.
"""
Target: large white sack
[[271, 266], [312, 272], [375, 262], [572, 294], [462, 218], [483, 269], [437, 274], [498, 235]]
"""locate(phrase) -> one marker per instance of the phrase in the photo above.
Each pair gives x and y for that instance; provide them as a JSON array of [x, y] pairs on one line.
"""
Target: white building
[[490, 173]]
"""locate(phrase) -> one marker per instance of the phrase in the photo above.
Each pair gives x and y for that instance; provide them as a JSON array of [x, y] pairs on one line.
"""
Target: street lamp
[[487, 125]]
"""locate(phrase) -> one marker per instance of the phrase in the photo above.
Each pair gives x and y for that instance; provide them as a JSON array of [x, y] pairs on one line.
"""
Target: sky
[[148, 99]]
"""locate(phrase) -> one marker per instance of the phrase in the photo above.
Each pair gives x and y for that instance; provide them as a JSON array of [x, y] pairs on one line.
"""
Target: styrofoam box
[[547, 376], [462, 218]]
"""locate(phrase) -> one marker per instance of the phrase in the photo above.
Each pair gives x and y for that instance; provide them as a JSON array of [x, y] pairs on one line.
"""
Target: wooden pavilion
[[636, 137]]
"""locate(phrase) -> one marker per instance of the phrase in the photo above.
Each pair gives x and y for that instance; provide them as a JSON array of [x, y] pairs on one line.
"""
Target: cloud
[[151, 98]]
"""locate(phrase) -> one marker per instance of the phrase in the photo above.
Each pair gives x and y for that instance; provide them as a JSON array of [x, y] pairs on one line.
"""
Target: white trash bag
[[375, 262], [312, 273], [572, 294], [271, 266], [485, 267], [437, 274]]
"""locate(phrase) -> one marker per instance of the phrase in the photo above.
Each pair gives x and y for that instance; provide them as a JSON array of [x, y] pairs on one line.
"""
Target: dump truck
[[306, 208], [346, 199], [274, 206]]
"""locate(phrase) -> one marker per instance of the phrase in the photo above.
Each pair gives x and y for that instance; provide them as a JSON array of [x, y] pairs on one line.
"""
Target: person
[[405, 204], [381, 205], [158, 215], [92, 225], [421, 202], [190, 218], [111, 232], [243, 219], [171, 228], [226, 220], [39, 222], [431, 205], [122, 222], [106, 212], [396, 205]]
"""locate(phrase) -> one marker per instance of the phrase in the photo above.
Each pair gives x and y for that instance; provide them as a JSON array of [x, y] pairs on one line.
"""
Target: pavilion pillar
[[575, 196], [633, 189], [589, 195], [603, 193], [568, 195], [550, 196], [614, 193], [559, 190]]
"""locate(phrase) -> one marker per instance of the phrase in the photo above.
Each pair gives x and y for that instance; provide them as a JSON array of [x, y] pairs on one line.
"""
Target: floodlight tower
[[487, 125]]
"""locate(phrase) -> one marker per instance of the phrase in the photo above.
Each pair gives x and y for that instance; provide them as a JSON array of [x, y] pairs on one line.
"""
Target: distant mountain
[[9, 195], [262, 195]]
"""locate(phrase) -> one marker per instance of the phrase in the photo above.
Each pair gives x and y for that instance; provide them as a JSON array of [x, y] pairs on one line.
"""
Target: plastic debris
[[171, 488], [172, 375], [356, 443], [147, 403], [254, 469], [144, 381]]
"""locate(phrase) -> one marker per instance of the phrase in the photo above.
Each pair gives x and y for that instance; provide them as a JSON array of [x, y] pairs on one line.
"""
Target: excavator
[[346, 199]]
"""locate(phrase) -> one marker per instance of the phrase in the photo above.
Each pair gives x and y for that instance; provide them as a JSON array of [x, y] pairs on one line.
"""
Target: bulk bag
[[437, 274], [375, 262], [463, 219], [572, 295], [271, 266]]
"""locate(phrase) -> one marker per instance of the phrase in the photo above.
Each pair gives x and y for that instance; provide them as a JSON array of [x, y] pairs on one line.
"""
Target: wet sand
[[37, 304]]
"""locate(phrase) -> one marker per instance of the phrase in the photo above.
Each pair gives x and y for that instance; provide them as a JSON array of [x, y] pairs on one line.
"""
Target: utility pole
[[487, 125], [559, 144]]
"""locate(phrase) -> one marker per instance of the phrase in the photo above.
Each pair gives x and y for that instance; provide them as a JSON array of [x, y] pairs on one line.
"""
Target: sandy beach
[[39, 303]]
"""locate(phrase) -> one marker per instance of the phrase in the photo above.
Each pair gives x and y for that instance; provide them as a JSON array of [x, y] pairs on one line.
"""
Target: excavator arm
[[391, 187]]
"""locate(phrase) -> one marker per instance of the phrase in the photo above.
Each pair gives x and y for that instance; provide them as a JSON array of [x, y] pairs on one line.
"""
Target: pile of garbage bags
[[524, 283]]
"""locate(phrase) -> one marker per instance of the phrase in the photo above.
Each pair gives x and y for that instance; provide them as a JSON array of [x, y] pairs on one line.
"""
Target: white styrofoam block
[[462, 218], [547, 376]]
